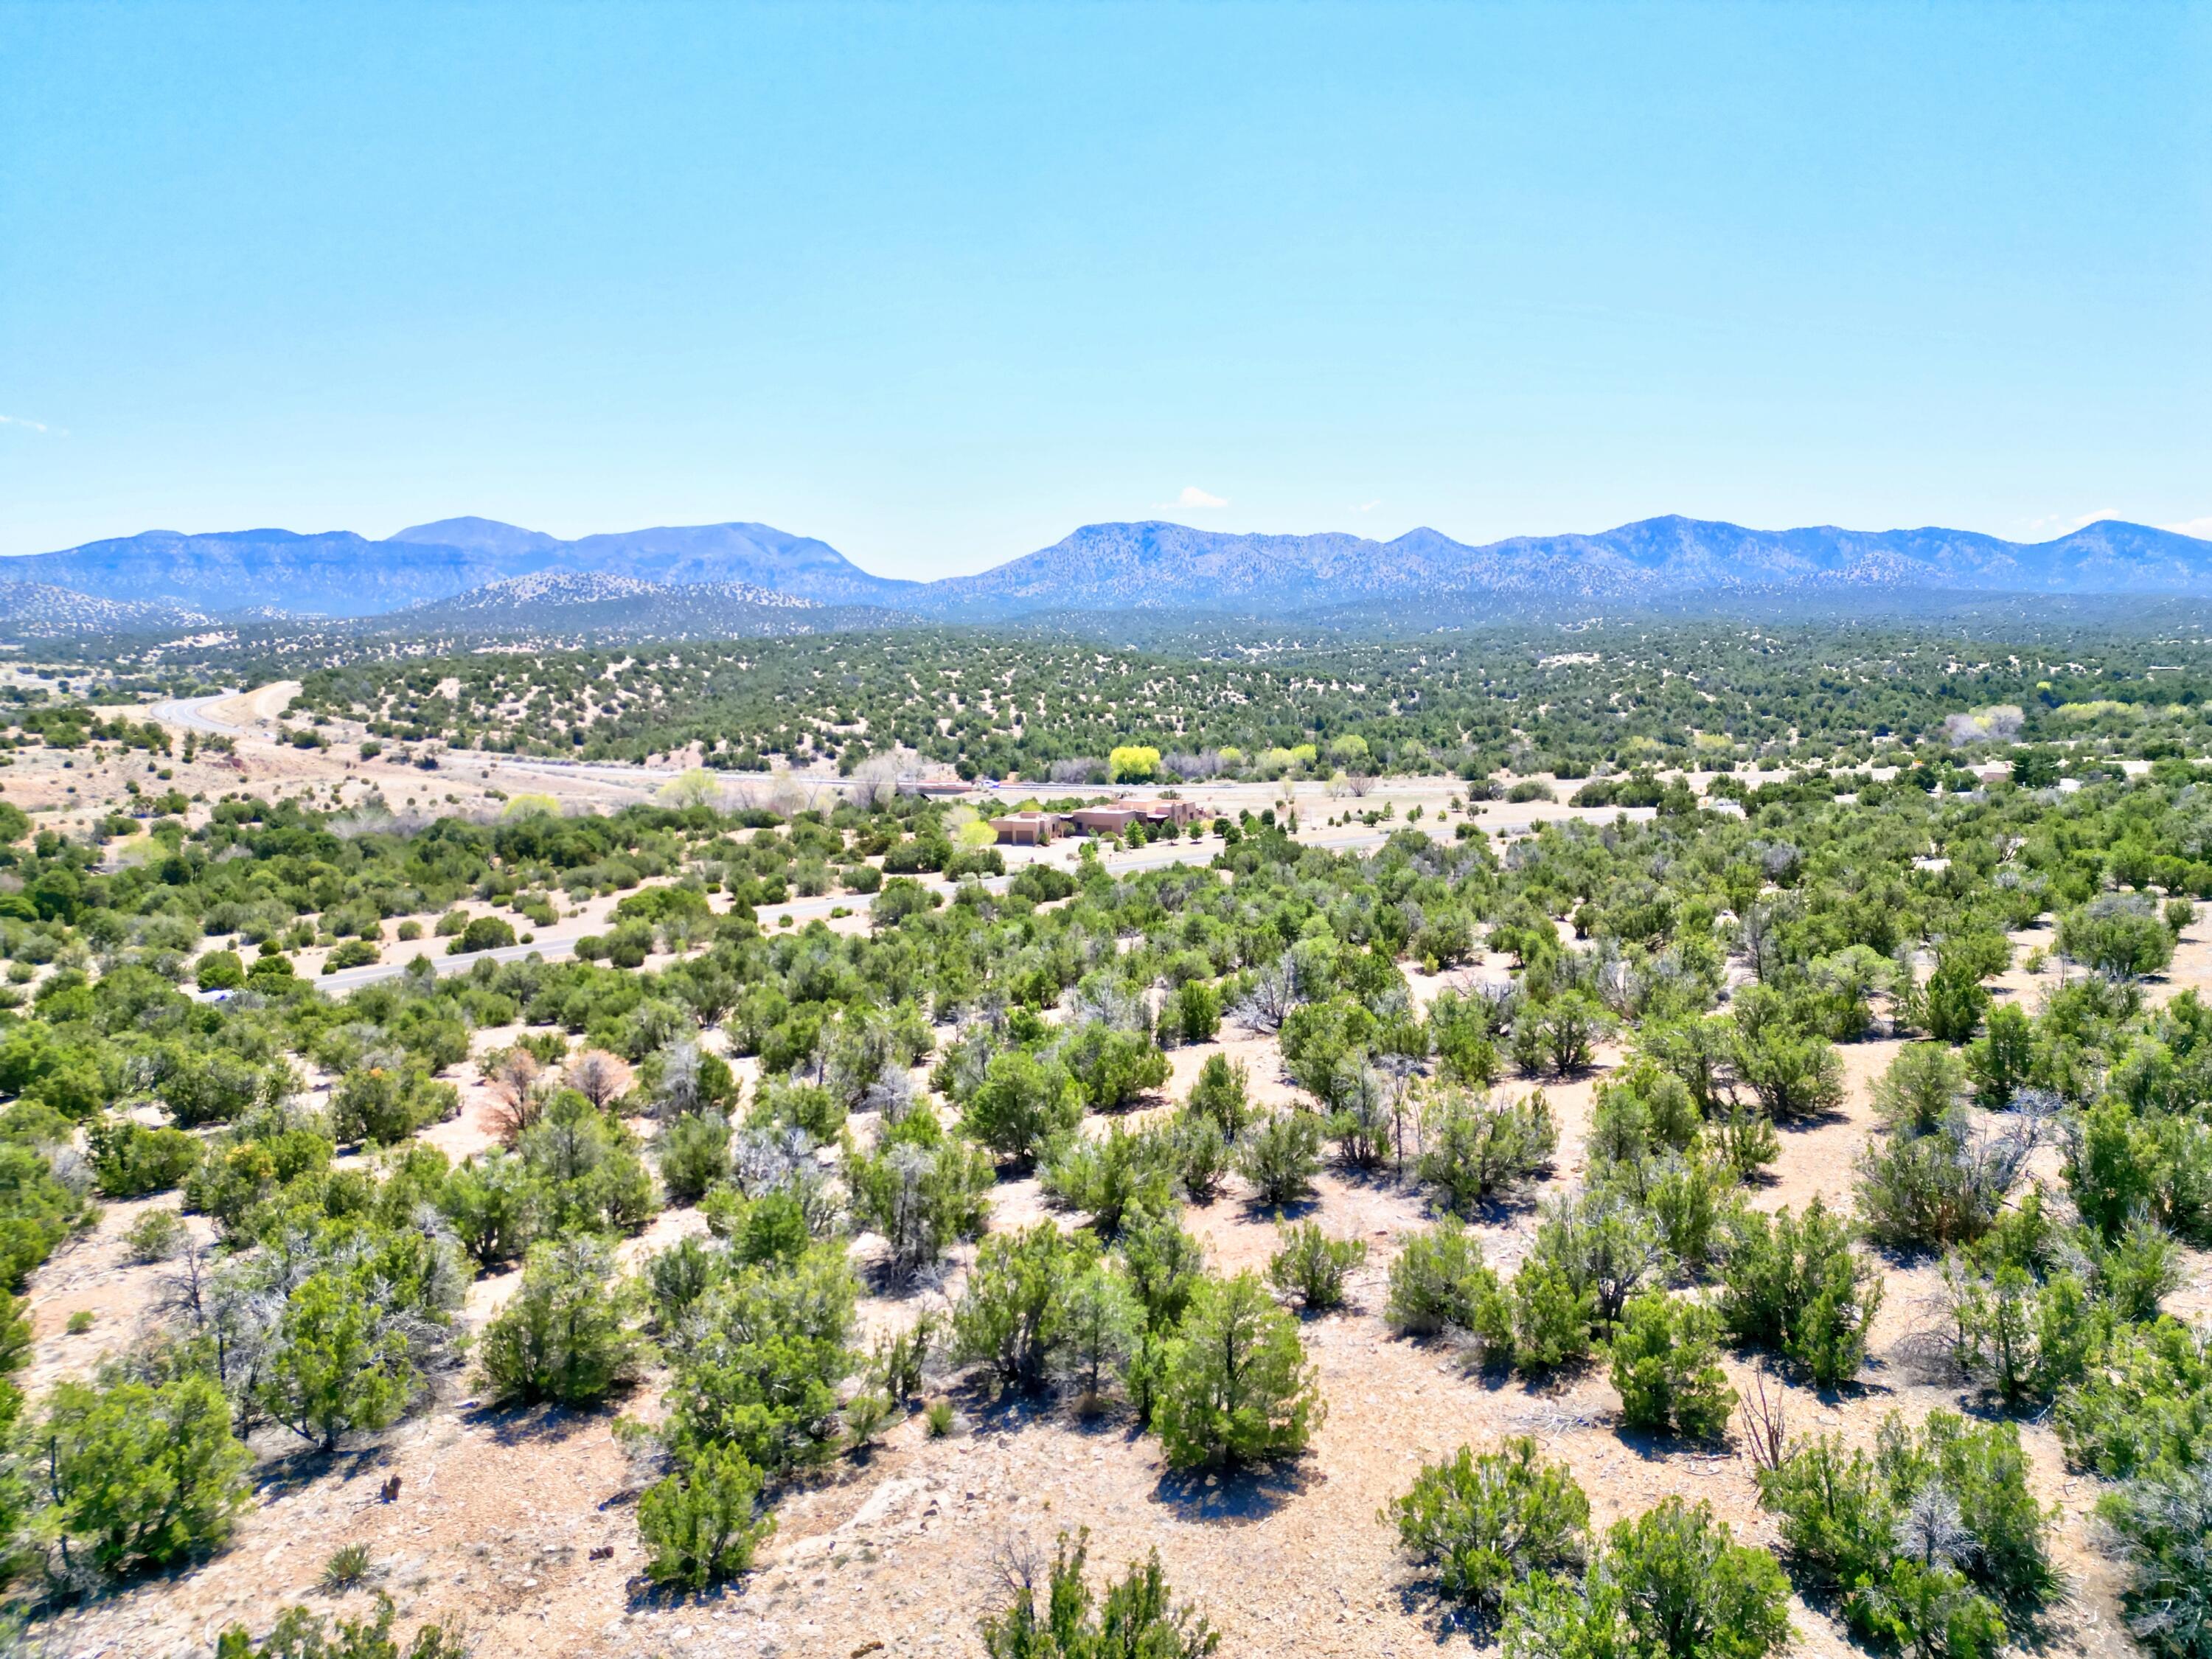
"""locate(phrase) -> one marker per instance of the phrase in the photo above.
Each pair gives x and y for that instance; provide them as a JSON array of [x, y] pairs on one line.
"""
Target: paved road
[[190, 713]]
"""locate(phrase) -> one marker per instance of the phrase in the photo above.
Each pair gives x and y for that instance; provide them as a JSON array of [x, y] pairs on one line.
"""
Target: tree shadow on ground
[[1297, 1209], [299, 1466], [1232, 1496], [1422, 1601], [532, 1425]]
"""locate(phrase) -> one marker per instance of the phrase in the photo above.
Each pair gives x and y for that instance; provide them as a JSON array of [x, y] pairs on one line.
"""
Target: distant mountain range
[[481, 566], [338, 573]]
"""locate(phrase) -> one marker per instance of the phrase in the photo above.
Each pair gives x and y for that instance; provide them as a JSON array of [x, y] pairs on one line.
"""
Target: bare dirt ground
[[498, 1513]]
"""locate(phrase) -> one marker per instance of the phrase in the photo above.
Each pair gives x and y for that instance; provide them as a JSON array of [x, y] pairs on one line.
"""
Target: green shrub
[[299, 1634], [764, 1352], [1604, 1248], [1013, 1315], [1221, 1092], [1060, 1619], [1236, 1386], [1280, 1156], [1110, 1175], [1193, 1013], [1746, 1141], [1664, 1364], [385, 1104], [2029, 1337], [2119, 934], [565, 1334], [1203, 1157], [495, 1202], [130, 1160], [1670, 1583], [1982, 1469], [37, 1211], [349, 953], [701, 1524], [1560, 1034], [348, 1568], [693, 1151], [1438, 1282], [220, 970], [2002, 1060], [340, 1359], [1640, 1113], [1472, 1148], [1311, 1268], [136, 1475], [1795, 1286], [1021, 1104], [1552, 1318], [1794, 1071], [483, 934], [156, 1235], [1102, 1322], [1112, 1068], [1838, 1522], [1930, 1543], [1921, 1088], [1488, 1523], [1163, 1265], [921, 1188]]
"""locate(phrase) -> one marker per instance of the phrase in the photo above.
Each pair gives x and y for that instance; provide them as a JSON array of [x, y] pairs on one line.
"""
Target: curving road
[[190, 713]]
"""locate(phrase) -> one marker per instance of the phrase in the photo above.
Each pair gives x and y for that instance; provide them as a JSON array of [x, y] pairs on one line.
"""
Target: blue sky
[[939, 283]]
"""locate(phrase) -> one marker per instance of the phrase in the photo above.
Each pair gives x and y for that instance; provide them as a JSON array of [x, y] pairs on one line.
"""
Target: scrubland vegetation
[[842, 1112]]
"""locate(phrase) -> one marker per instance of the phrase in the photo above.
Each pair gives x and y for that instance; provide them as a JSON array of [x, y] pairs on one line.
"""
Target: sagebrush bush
[[2161, 1522], [1945, 1186]]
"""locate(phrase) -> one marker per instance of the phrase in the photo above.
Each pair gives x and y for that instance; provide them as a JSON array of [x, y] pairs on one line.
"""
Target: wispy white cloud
[[1368, 507], [31, 426], [2201, 528], [1194, 497]]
